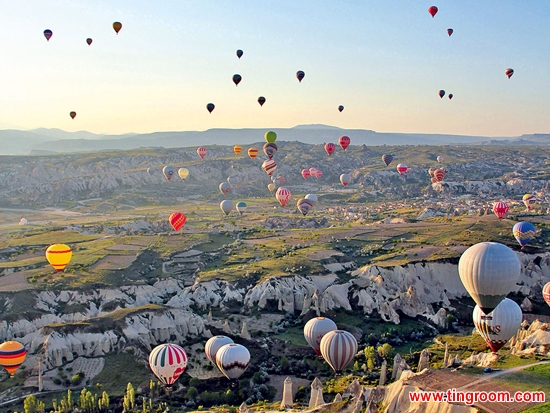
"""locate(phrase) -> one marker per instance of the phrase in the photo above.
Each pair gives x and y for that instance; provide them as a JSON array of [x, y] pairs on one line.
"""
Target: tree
[[192, 393], [129, 398], [103, 403], [386, 351], [87, 400], [33, 405]]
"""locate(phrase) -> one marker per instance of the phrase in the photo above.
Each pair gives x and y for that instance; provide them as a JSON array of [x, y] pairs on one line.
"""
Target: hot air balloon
[[312, 198], [338, 348], [387, 158], [237, 149], [48, 34], [345, 179], [341, 108], [433, 180], [524, 232], [439, 174], [449, 32], [441, 93], [433, 10], [23, 221], [59, 255], [225, 188], [183, 173], [226, 206], [240, 207], [270, 149], [169, 171], [269, 166], [281, 179], [252, 153], [530, 200], [440, 159], [12, 355], [546, 293], [150, 171], [509, 72], [72, 114], [89, 41], [312, 171], [315, 329], [239, 53], [300, 75], [117, 26], [210, 107], [168, 362], [450, 96], [270, 137], [275, 181], [305, 173], [500, 209], [402, 168], [232, 360], [237, 79], [431, 171], [500, 325], [177, 220], [330, 148], [283, 195], [489, 271], [304, 206], [271, 187], [344, 142], [318, 173], [213, 345], [261, 100], [201, 151]]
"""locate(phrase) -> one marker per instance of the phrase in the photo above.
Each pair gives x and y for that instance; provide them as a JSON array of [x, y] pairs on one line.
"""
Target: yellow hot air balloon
[[183, 173], [237, 149], [12, 355], [59, 255], [271, 187]]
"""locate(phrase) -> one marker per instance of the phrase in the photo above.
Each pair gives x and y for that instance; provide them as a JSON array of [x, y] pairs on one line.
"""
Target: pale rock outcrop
[[424, 362], [287, 401], [316, 396], [383, 373], [535, 339]]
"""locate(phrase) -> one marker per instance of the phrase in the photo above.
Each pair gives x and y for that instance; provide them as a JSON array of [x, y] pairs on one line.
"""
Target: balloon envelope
[[72, 114], [546, 293], [214, 344], [252, 153], [312, 198], [117, 26], [500, 325], [344, 142], [168, 171], [330, 148], [338, 348], [201, 151], [210, 107], [441, 93], [387, 159], [177, 220], [237, 149], [433, 10], [449, 32], [237, 79], [269, 166], [261, 100], [168, 362], [524, 232], [439, 174], [12, 355], [500, 209], [530, 200], [240, 207], [226, 206], [489, 271], [402, 168], [270, 149], [341, 108], [440, 159], [345, 179], [48, 34], [271, 187], [300, 75], [225, 188], [232, 360], [304, 206], [59, 255], [315, 329], [89, 41], [270, 136], [509, 72], [183, 173], [305, 173], [283, 195], [239, 53]]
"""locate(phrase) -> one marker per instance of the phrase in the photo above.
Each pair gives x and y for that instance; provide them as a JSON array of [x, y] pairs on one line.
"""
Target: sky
[[384, 61]]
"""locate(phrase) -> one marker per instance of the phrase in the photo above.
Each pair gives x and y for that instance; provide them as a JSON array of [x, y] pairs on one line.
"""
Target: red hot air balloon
[[441, 93], [546, 293], [283, 195], [72, 115], [210, 107], [201, 151], [433, 10], [239, 53], [344, 142], [402, 168], [117, 26], [449, 32], [48, 34], [439, 174], [261, 100], [500, 209], [177, 220], [300, 75], [305, 173], [318, 173], [330, 148], [89, 41], [237, 79], [509, 72]]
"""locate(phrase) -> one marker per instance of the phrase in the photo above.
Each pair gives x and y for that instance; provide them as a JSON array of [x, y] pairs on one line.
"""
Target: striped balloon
[[283, 195], [252, 153], [439, 174], [546, 293], [500, 209], [387, 158], [201, 151], [237, 149], [338, 348], [524, 232], [12, 355], [305, 173], [500, 325], [269, 166], [214, 344], [402, 168], [316, 328], [168, 362], [330, 148], [344, 142], [530, 200], [59, 255], [232, 360]]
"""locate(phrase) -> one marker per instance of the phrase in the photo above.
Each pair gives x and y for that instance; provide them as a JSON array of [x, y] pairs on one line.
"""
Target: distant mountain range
[[50, 141]]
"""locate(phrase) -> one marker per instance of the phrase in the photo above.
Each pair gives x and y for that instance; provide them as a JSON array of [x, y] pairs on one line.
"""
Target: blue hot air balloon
[[524, 232]]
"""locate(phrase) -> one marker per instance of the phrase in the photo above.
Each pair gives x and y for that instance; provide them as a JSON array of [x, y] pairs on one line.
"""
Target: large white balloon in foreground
[[232, 360], [489, 271], [338, 348], [500, 325]]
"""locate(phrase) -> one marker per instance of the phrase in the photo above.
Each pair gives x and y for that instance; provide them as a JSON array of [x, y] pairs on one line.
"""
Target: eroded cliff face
[[420, 289]]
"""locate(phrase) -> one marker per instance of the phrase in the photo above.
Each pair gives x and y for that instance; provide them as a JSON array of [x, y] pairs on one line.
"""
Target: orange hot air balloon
[[252, 153], [177, 220], [117, 26], [72, 115], [237, 149], [59, 255], [12, 355]]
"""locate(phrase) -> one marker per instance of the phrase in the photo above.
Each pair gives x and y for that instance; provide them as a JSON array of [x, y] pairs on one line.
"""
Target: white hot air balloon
[[315, 329], [232, 360], [312, 198], [227, 206], [225, 188], [169, 171], [345, 179], [500, 325], [489, 271], [338, 348], [168, 362], [213, 345]]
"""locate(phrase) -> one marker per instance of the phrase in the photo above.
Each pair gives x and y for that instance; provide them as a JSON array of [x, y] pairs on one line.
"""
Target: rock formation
[[287, 402], [316, 397]]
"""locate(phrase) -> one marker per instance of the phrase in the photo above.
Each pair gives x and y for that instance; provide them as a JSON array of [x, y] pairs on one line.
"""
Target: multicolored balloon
[[315, 329], [281, 179], [177, 220], [270, 149], [12, 355], [402, 169], [524, 232], [344, 142], [59, 255], [330, 148], [201, 151], [387, 158], [240, 207], [338, 348], [500, 325], [210, 107], [232, 360], [48, 34], [530, 200], [283, 195], [440, 159], [168, 172], [546, 293], [237, 79], [269, 166], [500, 209], [304, 206], [168, 362], [117, 26], [300, 75], [509, 72], [252, 153], [439, 174]]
